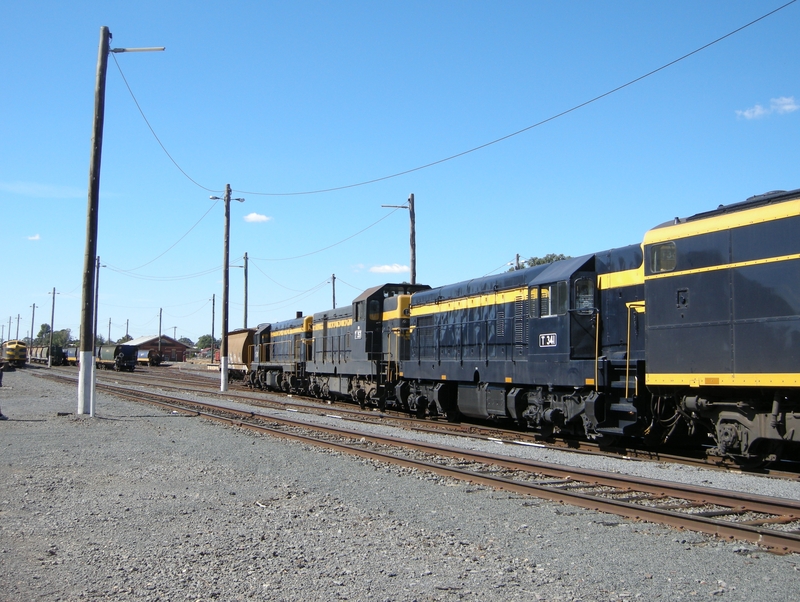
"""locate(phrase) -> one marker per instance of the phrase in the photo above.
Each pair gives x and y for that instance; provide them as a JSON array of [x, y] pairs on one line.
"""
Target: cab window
[[584, 294], [553, 299], [375, 310], [663, 258]]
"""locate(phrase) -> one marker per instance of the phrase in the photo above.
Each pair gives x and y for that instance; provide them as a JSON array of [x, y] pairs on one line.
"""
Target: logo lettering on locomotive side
[[548, 340]]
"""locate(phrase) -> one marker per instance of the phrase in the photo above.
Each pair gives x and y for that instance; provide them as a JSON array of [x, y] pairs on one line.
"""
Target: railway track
[[156, 377], [773, 523]]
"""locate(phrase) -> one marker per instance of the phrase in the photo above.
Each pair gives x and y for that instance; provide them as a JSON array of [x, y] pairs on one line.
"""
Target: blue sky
[[287, 97]]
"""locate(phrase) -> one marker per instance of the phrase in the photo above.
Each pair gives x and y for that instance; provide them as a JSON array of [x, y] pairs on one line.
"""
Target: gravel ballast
[[140, 504]]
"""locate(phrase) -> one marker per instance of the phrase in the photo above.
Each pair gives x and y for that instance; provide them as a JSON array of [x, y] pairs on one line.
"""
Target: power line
[[163, 278], [295, 298], [166, 152], [348, 284], [530, 127], [329, 246], [273, 280], [174, 244], [466, 152]]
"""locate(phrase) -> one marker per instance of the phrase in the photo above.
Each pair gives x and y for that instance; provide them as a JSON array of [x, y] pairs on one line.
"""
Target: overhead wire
[[284, 302], [347, 283], [165, 278], [152, 131], [173, 245], [498, 268], [329, 246], [267, 276], [476, 148]]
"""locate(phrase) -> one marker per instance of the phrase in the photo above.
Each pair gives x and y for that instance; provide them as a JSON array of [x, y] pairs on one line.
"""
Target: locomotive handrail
[[637, 307]]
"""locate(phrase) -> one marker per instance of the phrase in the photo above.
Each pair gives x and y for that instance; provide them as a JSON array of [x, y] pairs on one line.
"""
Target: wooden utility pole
[[413, 238], [159, 331], [245, 290], [86, 375], [213, 303], [413, 217], [52, 319], [333, 285], [93, 334], [33, 313], [223, 348]]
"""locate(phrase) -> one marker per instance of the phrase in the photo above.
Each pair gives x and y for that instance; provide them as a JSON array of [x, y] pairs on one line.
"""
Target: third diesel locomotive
[[692, 334]]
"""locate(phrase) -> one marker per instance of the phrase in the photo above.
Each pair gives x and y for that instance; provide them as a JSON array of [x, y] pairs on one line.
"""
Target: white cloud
[[784, 104], [781, 106], [395, 268], [42, 191], [753, 113], [256, 217], [34, 237]]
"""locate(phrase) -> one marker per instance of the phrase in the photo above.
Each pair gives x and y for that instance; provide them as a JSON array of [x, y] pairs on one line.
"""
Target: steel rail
[[781, 511], [504, 435]]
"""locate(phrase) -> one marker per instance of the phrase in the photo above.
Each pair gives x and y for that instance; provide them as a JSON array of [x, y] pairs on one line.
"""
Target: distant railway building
[[170, 349]]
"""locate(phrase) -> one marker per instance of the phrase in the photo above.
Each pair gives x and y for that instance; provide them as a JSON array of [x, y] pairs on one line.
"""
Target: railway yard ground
[[143, 503]]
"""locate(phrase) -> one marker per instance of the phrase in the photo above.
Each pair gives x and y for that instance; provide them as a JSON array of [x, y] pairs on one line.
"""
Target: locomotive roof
[[539, 274], [400, 289], [284, 324], [760, 200], [765, 207]]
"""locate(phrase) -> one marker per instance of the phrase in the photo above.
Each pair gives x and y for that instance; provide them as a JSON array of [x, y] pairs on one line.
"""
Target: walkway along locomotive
[[692, 335]]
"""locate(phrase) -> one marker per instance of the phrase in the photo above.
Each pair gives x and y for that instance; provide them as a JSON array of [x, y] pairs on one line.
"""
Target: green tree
[[43, 336], [62, 338], [549, 258], [186, 341], [205, 341], [125, 339]]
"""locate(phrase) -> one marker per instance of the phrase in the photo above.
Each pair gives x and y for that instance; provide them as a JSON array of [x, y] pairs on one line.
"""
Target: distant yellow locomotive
[[15, 352]]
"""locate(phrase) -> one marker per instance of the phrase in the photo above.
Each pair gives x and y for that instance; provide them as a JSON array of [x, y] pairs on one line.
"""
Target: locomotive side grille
[[501, 323], [426, 338], [519, 324]]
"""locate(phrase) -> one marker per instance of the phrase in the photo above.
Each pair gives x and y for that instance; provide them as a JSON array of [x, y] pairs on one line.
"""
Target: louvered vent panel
[[519, 323]]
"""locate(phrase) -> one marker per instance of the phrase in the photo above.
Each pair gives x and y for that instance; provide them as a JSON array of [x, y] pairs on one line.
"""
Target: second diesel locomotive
[[693, 334]]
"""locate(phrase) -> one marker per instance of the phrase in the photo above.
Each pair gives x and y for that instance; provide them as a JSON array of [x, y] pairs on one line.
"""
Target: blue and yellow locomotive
[[692, 334]]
